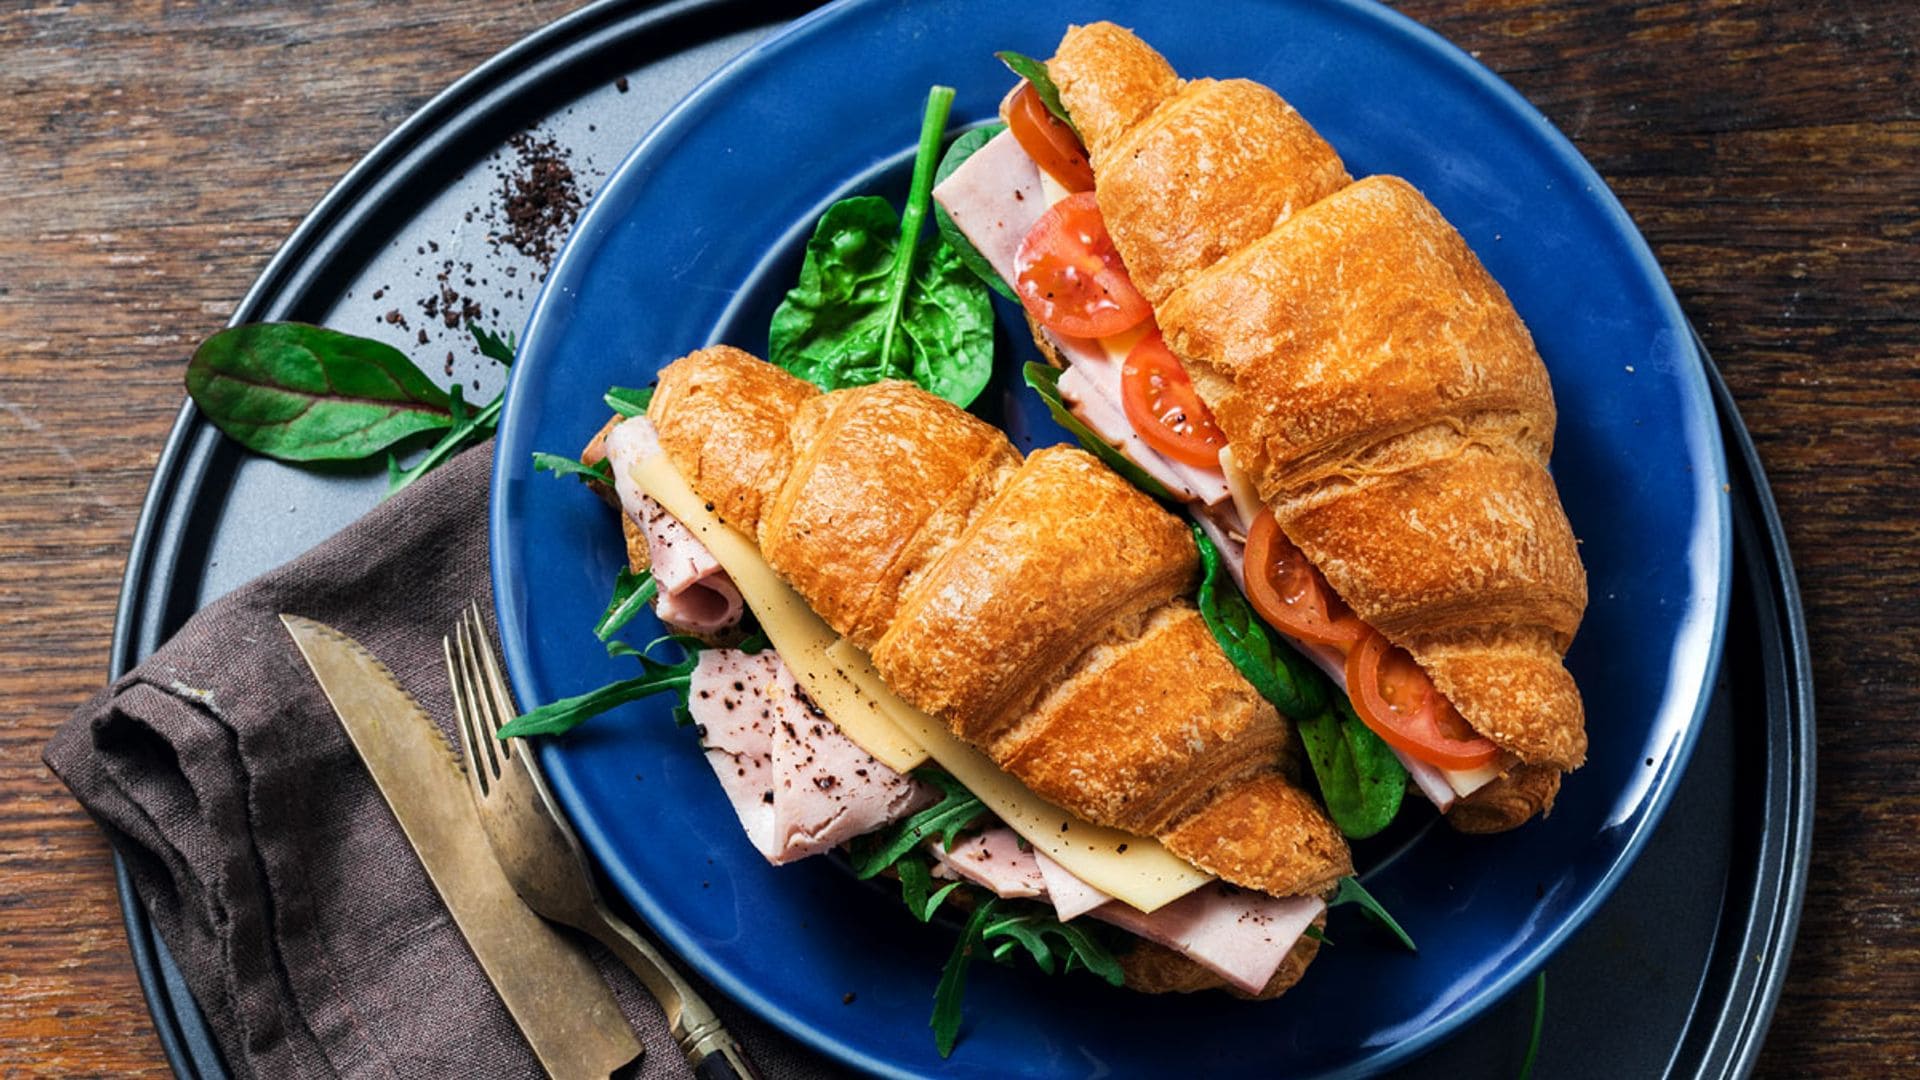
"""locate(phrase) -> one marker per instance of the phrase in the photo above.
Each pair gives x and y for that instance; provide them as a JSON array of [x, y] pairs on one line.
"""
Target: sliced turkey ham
[[1070, 897], [798, 785], [992, 858], [695, 593]]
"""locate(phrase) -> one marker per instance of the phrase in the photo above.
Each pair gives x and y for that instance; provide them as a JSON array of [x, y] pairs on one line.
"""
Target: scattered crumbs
[[706, 884], [1121, 850], [847, 998], [1649, 762], [620, 84], [379, 292]]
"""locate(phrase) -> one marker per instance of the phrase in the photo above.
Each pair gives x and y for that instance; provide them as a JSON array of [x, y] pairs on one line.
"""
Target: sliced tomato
[[1051, 144], [1402, 706], [1163, 407], [1070, 277], [1291, 595]]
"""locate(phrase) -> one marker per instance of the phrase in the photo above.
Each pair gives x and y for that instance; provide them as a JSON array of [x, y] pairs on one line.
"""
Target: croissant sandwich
[[1326, 376]]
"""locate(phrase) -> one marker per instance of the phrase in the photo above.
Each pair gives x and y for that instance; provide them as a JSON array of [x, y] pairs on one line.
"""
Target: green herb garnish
[[656, 677], [1539, 1022], [957, 809], [873, 303], [957, 154], [632, 592], [468, 428], [1352, 892], [1046, 382], [1006, 929], [1035, 72], [629, 402], [492, 345], [561, 465]]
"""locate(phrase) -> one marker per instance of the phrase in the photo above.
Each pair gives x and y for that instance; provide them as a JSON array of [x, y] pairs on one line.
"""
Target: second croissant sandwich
[[1323, 371], [1038, 609]]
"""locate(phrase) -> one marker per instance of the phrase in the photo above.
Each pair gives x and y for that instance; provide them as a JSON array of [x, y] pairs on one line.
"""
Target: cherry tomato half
[[1163, 407], [1070, 277], [1291, 595], [1402, 706], [1051, 144]]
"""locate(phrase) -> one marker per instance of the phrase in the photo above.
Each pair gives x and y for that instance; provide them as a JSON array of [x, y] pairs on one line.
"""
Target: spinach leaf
[[629, 402], [562, 465], [1361, 780], [305, 393], [631, 594], [468, 428], [1035, 72], [1046, 382], [1282, 676], [1352, 892], [957, 809], [957, 154], [871, 304], [492, 345]]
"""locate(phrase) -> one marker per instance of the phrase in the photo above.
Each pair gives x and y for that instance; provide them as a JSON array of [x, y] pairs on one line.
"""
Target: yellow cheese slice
[[1134, 869], [801, 637], [1465, 782]]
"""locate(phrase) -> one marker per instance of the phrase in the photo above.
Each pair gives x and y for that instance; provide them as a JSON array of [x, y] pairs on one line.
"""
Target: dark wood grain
[[155, 154]]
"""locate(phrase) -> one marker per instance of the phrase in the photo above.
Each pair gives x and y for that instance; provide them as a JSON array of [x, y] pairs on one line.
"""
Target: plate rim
[[1704, 442]]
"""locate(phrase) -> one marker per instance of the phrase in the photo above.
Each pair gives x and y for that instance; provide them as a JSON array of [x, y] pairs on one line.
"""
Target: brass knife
[[552, 990]]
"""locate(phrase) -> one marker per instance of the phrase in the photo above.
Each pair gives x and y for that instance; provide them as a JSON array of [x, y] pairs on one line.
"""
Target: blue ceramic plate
[[695, 239]]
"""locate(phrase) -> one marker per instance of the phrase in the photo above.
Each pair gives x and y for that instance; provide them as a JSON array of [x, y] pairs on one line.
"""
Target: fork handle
[[718, 1057]]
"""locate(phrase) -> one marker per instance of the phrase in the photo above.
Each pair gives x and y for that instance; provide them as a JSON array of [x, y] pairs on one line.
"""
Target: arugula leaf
[[957, 809], [468, 428], [629, 402], [491, 345], [871, 304], [631, 594], [566, 714], [957, 154], [1043, 936], [305, 393], [916, 888], [1361, 780], [945, 1021], [561, 465], [1282, 675], [1539, 1022], [1035, 72], [1352, 892], [1046, 382]]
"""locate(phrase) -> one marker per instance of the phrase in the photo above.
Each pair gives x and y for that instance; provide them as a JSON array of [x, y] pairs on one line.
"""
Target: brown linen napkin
[[271, 866]]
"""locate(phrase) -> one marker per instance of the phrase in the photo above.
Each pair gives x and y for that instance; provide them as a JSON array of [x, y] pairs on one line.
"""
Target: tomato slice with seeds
[[1051, 144], [1163, 407], [1070, 277], [1402, 706], [1291, 595]]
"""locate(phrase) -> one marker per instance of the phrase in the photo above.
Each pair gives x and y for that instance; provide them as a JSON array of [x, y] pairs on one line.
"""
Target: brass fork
[[543, 859]]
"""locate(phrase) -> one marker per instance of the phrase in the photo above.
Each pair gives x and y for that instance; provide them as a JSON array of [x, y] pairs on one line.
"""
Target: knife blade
[[549, 986]]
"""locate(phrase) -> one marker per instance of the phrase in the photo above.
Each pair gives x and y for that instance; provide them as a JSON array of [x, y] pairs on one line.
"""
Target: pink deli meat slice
[[995, 198], [991, 858], [798, 785], [1239, 935], [1070, 897], [695, 593]]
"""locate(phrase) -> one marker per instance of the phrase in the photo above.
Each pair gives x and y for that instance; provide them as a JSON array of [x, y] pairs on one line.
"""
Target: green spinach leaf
[[1361, 780], [305, 393], [1352, 892], [873, 304], [957, 154], [1046, 382], [1035, 72], [629, 402], [1282, 675]]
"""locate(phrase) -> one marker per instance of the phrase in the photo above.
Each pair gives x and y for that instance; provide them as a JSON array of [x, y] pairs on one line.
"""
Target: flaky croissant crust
[[1370, 376], [1038, 607]]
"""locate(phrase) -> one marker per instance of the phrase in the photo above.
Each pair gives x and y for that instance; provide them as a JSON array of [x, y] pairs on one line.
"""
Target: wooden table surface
[[154, 154]]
